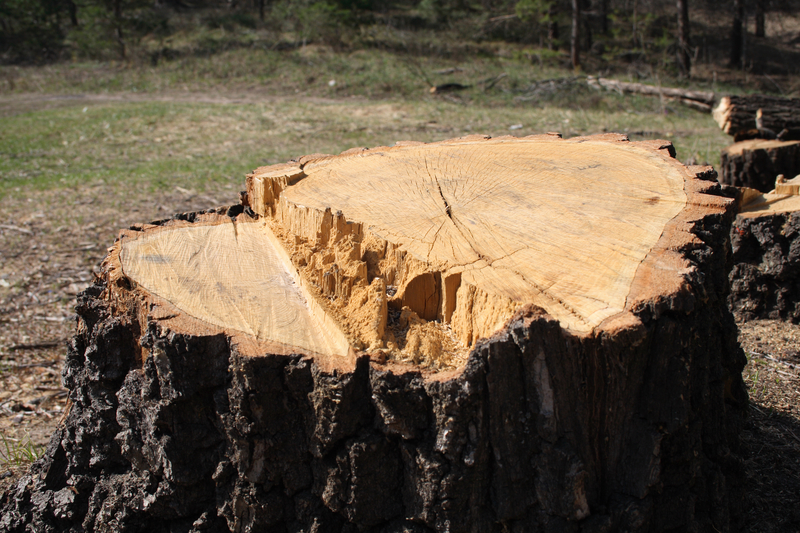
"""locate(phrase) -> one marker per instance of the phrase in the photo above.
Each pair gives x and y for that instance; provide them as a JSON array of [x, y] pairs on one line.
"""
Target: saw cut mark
[[563, 225], [233, 277]]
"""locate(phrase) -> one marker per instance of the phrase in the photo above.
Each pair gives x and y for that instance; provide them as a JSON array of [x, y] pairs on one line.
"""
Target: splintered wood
[[784, 198], [413, 253]]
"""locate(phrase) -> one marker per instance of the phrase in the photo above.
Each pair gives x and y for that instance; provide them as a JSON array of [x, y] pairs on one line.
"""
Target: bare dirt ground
[[52, 242], [771, 436]]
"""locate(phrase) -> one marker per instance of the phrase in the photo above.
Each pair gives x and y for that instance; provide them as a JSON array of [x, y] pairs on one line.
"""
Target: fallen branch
[[700, 100], [765, 356], [547, 87], [37, 345], [16, 228], [491, 82]]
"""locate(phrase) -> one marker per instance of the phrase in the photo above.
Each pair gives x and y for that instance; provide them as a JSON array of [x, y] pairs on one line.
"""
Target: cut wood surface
[[232, 275], [581, 228], [756, 163], [738, 113]]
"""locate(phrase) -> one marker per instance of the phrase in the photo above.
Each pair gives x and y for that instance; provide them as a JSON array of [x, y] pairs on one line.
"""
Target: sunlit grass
[[162, 144], [18, 452]]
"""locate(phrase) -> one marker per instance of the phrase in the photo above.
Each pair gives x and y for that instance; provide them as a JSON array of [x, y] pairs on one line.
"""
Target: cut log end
[[413, 253]]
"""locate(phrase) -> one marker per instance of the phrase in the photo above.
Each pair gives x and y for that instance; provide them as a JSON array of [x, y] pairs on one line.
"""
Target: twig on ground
[[37, 345], [16, 228], [765, 356], [491, 82]]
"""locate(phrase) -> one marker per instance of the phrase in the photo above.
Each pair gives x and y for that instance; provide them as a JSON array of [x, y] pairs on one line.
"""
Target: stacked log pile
[[766, 132], [474, 335]]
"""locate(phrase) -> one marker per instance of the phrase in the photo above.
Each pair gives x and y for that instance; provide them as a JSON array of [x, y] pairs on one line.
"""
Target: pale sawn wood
[[566, 225]]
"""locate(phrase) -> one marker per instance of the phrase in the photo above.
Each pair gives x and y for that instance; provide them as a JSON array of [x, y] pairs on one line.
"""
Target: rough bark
[[765, 279], [757, 163], [738, 113], [179, 425]]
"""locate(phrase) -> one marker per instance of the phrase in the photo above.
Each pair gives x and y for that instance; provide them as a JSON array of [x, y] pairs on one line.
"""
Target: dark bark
[[684, 38], [757, 167], [765, 280], [543, 430], [737, 34], [575, 41]]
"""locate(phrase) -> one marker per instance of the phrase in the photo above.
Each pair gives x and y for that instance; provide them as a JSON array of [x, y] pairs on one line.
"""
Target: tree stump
[[756, 163], [474, 335], [765, 279]]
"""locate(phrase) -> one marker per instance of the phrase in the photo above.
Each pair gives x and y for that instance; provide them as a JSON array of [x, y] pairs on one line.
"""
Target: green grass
[[18, 452], [163, 144]]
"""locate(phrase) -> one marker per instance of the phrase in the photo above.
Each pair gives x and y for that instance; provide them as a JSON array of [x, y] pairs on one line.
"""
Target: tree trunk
[[588, 37], [604, 16], [118, 28], [757, 162], [73, 13], [737, 34], [552, 27], [760, 9], [472, 335], [684, 39], [766, 255], [575, 41]]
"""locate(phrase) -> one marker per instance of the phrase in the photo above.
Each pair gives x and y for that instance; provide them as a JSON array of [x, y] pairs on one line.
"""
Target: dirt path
[[15, 104]]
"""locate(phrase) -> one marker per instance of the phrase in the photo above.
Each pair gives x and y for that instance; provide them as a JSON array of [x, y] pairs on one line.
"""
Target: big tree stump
[[474, 335], [765, 279], [756, 163]]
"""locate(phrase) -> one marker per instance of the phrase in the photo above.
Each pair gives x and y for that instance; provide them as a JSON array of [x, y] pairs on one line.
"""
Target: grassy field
[[206, 132]]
